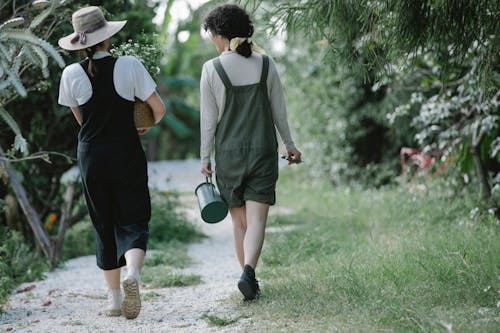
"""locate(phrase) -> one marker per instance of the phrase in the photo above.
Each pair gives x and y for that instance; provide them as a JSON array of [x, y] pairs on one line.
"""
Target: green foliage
[[452, 109], [390, 259], [18, 262], [433, 62], [162, 277], [46, 125], [146, 48], [20, 49], [171, 254], [339, 120], [79, 240], [185, 53], [167, 223], [218, 321]]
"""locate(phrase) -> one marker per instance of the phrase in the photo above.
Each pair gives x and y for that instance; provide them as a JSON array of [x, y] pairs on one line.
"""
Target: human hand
[[294, 156], [206, 169]]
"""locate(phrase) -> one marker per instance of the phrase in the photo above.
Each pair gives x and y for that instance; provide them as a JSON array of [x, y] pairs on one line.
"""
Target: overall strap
[[265, 68], [222, 73]]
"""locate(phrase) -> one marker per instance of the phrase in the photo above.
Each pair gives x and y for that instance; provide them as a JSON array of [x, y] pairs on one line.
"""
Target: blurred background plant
[[366, 78], [144, 47]]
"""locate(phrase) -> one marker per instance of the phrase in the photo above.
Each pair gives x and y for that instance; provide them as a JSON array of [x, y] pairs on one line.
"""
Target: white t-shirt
[[130, 78], [241, 71]]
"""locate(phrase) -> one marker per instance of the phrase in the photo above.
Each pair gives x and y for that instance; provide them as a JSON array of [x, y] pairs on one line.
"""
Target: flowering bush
[[145, 48]]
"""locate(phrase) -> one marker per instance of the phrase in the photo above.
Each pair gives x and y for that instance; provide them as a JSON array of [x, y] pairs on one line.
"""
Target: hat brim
[[93, 38]]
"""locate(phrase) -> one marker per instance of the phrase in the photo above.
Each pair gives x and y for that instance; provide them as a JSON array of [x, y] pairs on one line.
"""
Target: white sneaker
[[131, 305]]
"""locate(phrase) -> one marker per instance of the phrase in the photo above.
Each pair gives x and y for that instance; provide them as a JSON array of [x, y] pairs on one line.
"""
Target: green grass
[[172, 254], [158, 267], [150, 296], [218, 321], [382, 260], [163, 277]]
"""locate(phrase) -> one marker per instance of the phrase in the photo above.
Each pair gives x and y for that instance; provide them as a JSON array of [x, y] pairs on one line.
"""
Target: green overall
[[246, 158]]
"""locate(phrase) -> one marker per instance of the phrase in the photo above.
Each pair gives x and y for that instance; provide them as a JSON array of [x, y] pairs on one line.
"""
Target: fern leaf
[[30, 56], [27, 36], [52, 52], [16, 64], [19, 34], [21, 144], [11, 23], [40, 18], [41, 54], [5, 53], [4, 84], [7, 118], [14, 79]]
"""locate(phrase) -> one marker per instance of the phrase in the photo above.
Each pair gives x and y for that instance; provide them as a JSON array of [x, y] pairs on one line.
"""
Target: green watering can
[[213, 208]]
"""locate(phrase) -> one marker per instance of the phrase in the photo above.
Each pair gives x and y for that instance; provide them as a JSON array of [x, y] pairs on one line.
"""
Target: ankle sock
[[134, 272], [116, 298]]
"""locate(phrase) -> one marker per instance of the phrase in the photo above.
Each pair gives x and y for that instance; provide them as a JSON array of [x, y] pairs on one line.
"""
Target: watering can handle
[[213, 187]]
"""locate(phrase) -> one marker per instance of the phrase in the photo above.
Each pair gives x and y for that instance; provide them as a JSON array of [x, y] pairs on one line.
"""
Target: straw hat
[[91, 28]]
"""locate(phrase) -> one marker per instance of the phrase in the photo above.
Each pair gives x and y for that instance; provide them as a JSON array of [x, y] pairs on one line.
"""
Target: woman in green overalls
[[100, 92], [242, 103]]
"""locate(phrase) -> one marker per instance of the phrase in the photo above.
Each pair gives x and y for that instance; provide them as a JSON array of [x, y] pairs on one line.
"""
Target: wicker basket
[[143, 115]]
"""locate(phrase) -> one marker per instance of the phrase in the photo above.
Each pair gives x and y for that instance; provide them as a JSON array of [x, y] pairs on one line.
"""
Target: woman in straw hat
[[241, 104], [100, 92]]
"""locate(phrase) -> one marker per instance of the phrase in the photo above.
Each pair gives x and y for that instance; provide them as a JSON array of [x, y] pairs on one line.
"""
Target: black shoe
[[248, 285]]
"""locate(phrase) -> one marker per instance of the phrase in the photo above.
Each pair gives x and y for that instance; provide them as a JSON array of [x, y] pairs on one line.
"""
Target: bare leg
[[135, 260], [256, 217], [112, 278], [238, 215]]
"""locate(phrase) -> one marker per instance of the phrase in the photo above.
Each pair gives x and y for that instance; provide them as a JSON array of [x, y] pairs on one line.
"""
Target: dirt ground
[[72, 299]]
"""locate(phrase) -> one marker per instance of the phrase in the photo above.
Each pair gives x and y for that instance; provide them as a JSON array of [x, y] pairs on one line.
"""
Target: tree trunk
[[63, 225], [481, 171], [28, 210]]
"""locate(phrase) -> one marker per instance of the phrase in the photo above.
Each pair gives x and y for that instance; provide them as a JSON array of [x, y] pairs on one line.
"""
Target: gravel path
[[72, 299]]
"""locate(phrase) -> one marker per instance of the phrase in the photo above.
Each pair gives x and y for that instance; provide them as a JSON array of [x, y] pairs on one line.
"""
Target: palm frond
[[15, 80], [7, 118], [5, 53], [11, 23]]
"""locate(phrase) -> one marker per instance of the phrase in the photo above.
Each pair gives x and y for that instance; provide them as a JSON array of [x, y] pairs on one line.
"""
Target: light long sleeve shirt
[[241, 71]]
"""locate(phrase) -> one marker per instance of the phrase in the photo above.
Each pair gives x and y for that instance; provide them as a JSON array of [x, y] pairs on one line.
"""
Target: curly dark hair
[[231, 21]]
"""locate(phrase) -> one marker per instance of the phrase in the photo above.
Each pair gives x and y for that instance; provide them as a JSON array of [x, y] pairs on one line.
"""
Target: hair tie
[[237, 41]]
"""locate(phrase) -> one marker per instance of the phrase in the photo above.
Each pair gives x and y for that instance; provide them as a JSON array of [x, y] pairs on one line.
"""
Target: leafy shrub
[[79, 240], [18, 262], [167, 223]]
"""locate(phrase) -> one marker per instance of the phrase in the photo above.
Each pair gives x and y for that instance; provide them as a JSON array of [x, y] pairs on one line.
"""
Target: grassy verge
[[383, 260], [160, 268]]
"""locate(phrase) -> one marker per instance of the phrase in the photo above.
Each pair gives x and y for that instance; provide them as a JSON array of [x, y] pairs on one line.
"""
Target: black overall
[[245, 142], [113, 170]]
